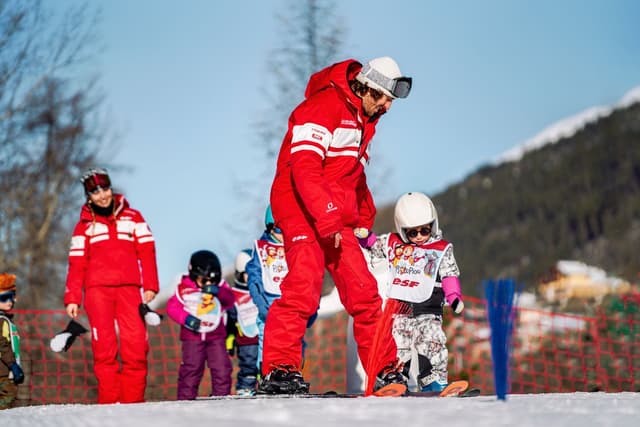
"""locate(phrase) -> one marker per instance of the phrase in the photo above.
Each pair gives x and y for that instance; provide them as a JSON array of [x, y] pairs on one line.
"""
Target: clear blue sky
[[182, 79]]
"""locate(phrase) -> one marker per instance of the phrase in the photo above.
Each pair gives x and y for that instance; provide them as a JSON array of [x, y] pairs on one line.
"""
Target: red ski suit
[[320, 189], [111, 258]]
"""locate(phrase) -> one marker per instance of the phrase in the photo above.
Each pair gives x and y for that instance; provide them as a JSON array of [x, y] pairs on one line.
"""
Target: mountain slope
[[575, 199]]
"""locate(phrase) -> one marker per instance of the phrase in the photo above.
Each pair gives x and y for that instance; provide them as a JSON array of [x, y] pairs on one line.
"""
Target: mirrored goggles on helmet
[[96, 182], [398, 87], [8, 296]]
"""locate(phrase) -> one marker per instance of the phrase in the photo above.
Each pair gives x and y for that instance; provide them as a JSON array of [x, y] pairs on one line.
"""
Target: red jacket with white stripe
[[320, 185], [111, 251]]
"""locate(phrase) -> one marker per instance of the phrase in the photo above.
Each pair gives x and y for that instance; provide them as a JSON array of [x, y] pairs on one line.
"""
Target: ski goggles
[[95, 182], [413, 233], [398, 87], [8, 296]]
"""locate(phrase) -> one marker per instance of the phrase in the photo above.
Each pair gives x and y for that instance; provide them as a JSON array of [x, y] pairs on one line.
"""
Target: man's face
[[375, 102]]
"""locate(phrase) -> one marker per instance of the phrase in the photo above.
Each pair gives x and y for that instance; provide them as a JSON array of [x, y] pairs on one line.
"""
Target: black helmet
[[205, 263]]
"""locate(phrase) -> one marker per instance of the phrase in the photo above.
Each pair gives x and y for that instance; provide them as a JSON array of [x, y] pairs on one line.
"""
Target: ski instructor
[[324, 207]]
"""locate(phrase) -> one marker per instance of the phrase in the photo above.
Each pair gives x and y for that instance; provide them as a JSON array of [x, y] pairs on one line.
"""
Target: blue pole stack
[[500, 297]]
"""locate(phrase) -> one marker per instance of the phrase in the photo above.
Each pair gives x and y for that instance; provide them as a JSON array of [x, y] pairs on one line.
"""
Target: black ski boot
[[283, 379], [390, 374]]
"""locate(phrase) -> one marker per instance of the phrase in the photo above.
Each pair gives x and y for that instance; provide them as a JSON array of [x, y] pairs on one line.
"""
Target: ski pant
[[248, 366], [423, 334], [114, 317], [301, 289], [194, 355], [8, 392]]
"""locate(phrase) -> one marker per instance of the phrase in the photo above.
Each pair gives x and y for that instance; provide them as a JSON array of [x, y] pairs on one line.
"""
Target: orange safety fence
[[551, 352]]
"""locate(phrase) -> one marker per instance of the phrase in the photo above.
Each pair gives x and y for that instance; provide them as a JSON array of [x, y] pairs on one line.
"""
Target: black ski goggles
[[413, 232], [401, 87], [8, 296], [96, 182], [398, 87]]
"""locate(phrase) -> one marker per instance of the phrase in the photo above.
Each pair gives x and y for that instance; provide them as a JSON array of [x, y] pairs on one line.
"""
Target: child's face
[[7, 301], [202, 281], [418, 235]]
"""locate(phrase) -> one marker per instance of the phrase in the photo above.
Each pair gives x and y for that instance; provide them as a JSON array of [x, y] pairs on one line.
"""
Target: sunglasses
[[413, 233], [8, 296], [96, 182]]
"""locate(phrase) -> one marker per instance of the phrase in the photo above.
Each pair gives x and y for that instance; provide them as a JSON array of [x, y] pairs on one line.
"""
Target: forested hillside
[[576, 199]]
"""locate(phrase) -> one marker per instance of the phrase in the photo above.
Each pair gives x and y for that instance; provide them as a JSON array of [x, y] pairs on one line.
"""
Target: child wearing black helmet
[[199, 305]]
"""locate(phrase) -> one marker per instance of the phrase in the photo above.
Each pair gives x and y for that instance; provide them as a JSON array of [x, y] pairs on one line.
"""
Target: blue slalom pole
[[500, 303]]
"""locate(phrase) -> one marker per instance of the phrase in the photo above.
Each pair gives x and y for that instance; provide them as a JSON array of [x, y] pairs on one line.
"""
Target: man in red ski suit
[[112, 256], [320, 197]]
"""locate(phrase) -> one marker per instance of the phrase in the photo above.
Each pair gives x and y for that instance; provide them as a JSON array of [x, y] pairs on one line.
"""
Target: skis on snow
[[458, 388]]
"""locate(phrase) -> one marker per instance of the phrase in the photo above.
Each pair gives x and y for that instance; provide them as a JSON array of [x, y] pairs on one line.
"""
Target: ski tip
[[455, 388], [391, 390]]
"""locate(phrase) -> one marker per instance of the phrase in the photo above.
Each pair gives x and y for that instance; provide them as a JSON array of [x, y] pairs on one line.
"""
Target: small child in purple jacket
[[199, 305]]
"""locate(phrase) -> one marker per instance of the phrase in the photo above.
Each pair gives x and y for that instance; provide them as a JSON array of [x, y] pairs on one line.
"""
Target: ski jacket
[[7, 354], [320, 186], [416, 271], [265, 271], [244, 315], [189, 299], [111, 251]]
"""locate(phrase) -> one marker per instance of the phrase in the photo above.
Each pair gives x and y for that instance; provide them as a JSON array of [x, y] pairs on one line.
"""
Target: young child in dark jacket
[[199, 305], [11, 373]]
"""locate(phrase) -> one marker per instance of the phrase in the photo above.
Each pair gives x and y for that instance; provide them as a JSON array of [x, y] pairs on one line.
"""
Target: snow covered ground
[[540, 410]]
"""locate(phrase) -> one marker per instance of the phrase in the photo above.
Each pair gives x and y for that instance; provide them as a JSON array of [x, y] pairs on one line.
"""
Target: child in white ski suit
[[423, 274]]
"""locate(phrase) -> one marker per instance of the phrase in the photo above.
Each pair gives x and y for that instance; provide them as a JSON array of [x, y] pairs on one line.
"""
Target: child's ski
[[455, 389]]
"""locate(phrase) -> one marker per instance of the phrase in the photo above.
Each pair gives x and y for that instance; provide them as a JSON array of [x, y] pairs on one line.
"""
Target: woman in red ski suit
[[320, 197], [113, 256]]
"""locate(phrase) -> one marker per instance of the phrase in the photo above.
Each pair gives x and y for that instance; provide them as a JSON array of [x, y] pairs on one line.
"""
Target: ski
[[457, 389]]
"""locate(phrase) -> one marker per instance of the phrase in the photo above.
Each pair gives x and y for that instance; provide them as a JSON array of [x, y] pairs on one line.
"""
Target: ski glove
[[366, 238], [149, 316], [18, 373], [452, 293], [192, 323], [231, 344], [63, 340], [211, 289]]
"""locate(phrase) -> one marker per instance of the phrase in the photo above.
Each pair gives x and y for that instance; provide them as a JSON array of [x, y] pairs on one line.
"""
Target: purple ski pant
[[194, 355]]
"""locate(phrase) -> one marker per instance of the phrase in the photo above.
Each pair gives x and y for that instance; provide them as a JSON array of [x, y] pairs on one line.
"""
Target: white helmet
[[242, 259], [414, 209], [383, 74]]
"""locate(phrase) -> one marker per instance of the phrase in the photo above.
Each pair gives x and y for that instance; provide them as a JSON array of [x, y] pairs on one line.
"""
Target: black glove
[[63, 340], [457, 306], [192, 323], [149, 316], [211, 289], [18, 373]]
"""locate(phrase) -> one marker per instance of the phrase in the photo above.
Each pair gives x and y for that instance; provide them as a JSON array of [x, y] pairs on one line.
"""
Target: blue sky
[[182, 82]]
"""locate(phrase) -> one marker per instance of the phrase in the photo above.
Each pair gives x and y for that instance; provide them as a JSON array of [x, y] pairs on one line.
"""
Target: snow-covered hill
[[567, 127]]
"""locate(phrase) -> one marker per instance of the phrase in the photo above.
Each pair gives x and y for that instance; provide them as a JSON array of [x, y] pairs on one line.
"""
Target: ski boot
[[390, 378], [434, 386], [245, 392], [283, 379]]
